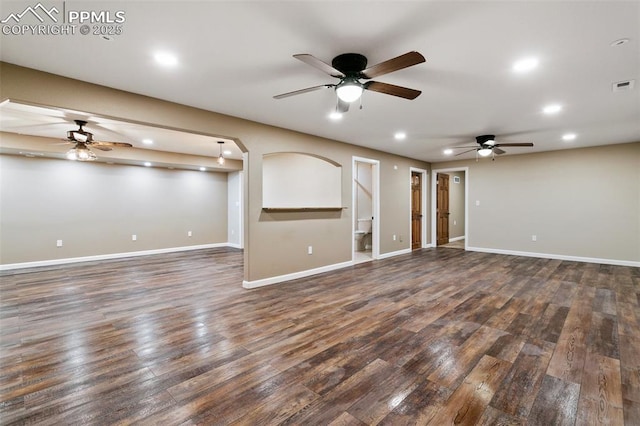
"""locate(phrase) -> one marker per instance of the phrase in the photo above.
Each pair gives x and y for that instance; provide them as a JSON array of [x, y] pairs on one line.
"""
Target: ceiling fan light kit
[[80, 152], [349, 90]]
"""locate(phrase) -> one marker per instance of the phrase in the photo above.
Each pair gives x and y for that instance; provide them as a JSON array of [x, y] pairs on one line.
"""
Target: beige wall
[[579, 202], [456, 205], [234, 209], [275, 243], [95, 209]]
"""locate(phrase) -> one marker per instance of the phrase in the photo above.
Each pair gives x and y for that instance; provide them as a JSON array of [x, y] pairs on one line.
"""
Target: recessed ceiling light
[[552, 109], [524, 65], [400, 136], [335, 115], [448, 151], [166, 59], [147, 141], [619, 42], [227, 152], [147, 164], [203, 169], [568, 136]]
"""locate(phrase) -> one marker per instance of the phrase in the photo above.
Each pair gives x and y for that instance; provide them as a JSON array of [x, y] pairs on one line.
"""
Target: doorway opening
[[418, 217], [365, 228], [449, 210]]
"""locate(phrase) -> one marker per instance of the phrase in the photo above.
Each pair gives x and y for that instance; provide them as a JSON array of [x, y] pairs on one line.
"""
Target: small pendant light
[[220, 157]]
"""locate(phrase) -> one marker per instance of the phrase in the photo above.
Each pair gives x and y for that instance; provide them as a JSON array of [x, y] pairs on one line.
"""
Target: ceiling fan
[[83, 140], [487, 146], [350, 68]]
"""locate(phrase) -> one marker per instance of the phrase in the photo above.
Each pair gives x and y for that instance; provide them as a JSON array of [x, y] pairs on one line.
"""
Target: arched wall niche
[[295, 180]]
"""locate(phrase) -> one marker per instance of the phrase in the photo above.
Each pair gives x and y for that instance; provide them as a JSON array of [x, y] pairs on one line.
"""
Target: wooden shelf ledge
[[302, 209]]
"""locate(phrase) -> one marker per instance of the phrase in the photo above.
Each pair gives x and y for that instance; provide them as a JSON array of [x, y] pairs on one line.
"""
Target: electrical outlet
[[394, 237], [477, 202], [455, 222], [189, 234], [534, 238], [310, 250], [134, 237], [58, 243]]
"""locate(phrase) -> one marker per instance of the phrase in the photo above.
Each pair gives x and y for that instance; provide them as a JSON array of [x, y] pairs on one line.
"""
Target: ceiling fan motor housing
[[350, 63], [80, 135], [482, 140]]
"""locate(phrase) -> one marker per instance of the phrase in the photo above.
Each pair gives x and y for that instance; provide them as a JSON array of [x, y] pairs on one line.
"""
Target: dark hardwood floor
[[438, 336]]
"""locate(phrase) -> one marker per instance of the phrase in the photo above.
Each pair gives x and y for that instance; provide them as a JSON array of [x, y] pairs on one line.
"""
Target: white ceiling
[[234, 56]]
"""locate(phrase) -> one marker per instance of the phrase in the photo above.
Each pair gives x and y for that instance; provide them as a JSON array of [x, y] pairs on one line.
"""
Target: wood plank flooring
[[439, 336]]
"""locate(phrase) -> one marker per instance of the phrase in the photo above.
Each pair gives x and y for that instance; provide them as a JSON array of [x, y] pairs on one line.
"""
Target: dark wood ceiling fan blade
[[464, 152], [391, 89], [498, 151], [317, 63], [403, 61], [101, 145], [513, 144], [301, 91]]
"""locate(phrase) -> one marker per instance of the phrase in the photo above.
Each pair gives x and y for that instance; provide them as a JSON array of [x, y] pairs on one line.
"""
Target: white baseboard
[[456, 239], [54, 262], [394, 253], [315, 271], [234, 245], [295, 275], [557, 257]]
